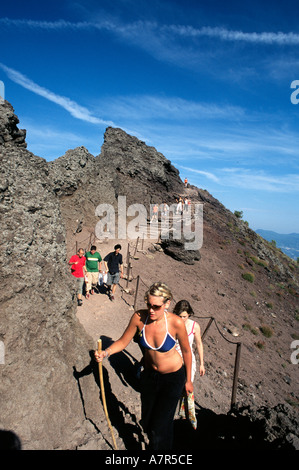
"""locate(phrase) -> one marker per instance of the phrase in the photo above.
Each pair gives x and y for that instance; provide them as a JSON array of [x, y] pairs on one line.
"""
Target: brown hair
[[183, 306]]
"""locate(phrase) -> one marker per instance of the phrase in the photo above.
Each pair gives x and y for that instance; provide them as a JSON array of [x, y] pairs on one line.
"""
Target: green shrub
[[250, 328], [260, 344], [259, 261], [239, 214], [248, 277], [266, 330]]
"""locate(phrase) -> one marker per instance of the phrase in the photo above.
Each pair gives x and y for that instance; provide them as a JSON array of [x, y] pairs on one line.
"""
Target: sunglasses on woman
[[154, 307]]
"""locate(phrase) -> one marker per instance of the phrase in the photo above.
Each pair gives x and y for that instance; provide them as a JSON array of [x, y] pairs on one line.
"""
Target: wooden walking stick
[[103, 394]]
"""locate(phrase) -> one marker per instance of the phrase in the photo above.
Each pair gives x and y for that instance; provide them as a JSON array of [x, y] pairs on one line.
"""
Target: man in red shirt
[[78, 269]]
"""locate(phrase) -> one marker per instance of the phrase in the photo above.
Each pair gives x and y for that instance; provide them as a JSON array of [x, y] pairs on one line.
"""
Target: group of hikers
[[87, 267], [181, 205], [166, 339]]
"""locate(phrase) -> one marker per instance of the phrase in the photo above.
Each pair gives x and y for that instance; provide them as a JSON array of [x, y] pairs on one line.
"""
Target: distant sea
[[288, 243]]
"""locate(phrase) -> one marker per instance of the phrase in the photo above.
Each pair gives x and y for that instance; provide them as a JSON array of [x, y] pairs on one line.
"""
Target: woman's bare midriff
[[163, 362]]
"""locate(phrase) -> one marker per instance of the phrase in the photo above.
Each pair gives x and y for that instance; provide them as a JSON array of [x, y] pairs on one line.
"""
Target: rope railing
[[237, 356], [86, 247]]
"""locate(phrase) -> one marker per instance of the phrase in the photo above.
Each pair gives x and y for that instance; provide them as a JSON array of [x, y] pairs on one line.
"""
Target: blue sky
[[207, 83]]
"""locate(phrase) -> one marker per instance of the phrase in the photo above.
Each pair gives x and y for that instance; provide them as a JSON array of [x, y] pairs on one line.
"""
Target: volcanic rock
[[138, 171], [43, 340], [9, 131]]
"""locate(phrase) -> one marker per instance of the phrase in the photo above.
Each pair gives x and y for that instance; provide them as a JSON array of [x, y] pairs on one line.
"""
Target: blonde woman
[[166, 373]]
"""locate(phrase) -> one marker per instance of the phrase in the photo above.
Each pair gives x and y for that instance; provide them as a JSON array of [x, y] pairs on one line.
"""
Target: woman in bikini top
[[158, 331], [168, 342], [185, 311], [165, 376]]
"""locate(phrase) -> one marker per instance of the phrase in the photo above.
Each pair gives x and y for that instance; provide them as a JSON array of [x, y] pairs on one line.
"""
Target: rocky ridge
[[43, 208]]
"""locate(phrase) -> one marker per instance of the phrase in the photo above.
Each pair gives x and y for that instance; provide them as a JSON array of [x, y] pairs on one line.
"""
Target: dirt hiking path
[[106, 319]]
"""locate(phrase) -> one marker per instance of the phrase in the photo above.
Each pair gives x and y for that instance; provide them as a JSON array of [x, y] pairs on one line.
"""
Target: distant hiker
[[186, 182], [186, 204], [93, 267], [155, 212], [113, 263], [78, 270], [179, 207], [184, 310], [165, 373], [165, 210]]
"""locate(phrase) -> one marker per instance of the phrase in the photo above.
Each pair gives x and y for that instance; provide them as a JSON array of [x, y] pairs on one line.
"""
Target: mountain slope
[[288, 243]]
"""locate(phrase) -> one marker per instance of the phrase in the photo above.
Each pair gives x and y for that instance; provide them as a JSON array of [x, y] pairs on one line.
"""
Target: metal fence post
[[128, 274], [136, 247], [236, 374], [128, 254], [136, 293]]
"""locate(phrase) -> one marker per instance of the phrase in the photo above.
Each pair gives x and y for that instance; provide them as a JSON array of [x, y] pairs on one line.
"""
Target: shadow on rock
[[226, 431], [131, 434], [9, 440]]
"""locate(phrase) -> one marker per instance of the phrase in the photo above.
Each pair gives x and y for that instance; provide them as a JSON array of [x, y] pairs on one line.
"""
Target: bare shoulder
[[175, 320], [139, 316], [136, 321]]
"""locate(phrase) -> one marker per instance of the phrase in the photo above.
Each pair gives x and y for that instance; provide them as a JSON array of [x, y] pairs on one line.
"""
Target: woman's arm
[[186, 352], [123, 341], [199, 347]]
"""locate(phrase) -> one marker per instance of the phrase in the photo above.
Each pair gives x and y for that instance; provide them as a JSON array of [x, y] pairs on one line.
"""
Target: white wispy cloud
[[76, 110], [134, 29], [224, 34], [207, 174], [139, 107], [247, 179], [181, 45], [48, 25], [258, 180]]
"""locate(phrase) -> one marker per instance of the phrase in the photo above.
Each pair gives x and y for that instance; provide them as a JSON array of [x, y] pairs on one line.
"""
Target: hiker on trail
[[155, 212], [165, 210], [186, 182], [93, 267], [186, 204], [78, 270], [165, 374], [184, 310], [179, 208], [113, 263]]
